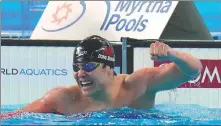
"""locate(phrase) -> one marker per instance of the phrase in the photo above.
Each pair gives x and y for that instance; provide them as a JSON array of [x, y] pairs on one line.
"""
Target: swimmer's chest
[[123, 100], [135, 97], [131, 97], [83, 106]]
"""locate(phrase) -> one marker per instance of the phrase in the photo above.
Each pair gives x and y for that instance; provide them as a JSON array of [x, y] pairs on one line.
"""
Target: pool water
[[163, 114]]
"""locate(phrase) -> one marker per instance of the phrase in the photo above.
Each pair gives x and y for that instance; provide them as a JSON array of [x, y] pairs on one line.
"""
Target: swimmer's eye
[[88, 67], [76, 68]]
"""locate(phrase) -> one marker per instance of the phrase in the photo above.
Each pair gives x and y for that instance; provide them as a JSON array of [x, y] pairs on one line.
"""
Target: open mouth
[[86, 83]]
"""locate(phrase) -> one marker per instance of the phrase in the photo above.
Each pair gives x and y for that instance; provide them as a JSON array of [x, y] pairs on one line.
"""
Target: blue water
[[160, 115]]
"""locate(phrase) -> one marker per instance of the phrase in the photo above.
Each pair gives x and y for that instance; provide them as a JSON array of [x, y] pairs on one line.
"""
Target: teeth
[[85, 82]]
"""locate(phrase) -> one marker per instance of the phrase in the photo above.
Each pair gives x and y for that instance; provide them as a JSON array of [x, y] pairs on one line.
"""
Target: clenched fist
[[159, 51]]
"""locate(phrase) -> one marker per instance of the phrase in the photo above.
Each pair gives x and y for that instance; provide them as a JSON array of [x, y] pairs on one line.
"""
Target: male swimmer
[[99, 88]]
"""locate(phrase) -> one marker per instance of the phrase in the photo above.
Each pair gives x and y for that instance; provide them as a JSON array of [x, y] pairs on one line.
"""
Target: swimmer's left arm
[[183, 68]]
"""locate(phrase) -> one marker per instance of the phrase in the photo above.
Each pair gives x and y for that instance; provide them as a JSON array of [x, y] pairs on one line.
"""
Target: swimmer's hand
[[10, 115], [160, 51]]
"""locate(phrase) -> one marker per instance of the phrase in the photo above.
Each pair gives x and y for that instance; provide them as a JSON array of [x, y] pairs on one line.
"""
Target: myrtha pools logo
[[67, 7], [119, 15]]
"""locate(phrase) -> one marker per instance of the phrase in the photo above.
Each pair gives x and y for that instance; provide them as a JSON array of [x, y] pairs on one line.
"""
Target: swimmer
[[99, 87]]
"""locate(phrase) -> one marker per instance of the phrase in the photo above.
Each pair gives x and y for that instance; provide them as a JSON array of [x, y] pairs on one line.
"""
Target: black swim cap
[[94, 49]]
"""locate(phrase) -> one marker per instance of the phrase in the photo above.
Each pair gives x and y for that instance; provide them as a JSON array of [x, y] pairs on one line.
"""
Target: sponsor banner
[[75, 20], [208, 78], [34, 72]]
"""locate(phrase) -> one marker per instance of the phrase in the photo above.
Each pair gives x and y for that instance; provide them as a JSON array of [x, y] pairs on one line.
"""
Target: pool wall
[[28, 71]]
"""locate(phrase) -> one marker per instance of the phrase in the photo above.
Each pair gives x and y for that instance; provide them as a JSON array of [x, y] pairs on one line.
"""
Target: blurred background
[[20, 18]]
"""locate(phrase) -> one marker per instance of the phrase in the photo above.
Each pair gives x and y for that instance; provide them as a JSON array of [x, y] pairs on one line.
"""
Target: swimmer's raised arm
[[183, 68]]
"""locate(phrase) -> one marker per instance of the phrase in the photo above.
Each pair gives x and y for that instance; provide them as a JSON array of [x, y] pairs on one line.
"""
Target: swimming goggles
[[88, 67]]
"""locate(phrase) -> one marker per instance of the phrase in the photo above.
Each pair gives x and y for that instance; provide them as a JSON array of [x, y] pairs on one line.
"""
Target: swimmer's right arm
[[38, 106], [46, 104], [43, 105]]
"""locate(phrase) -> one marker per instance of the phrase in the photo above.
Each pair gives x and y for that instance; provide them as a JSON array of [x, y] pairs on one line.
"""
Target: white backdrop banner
[[75, 20]]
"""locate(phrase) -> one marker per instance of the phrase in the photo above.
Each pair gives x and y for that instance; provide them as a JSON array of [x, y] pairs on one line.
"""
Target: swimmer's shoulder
[[63, 93], [59, 89], [55, 93], [74, 91], [59, 92], [64, 89]]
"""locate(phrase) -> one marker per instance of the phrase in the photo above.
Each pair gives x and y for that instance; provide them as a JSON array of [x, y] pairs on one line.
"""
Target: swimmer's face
[[92, 77]]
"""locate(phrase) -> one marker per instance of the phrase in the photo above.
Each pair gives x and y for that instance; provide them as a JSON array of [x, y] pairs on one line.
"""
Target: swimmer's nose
[[81, 73]]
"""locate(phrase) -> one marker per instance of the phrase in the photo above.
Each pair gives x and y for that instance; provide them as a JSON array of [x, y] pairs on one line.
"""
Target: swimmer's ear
[[109, 70], [103, 65]]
